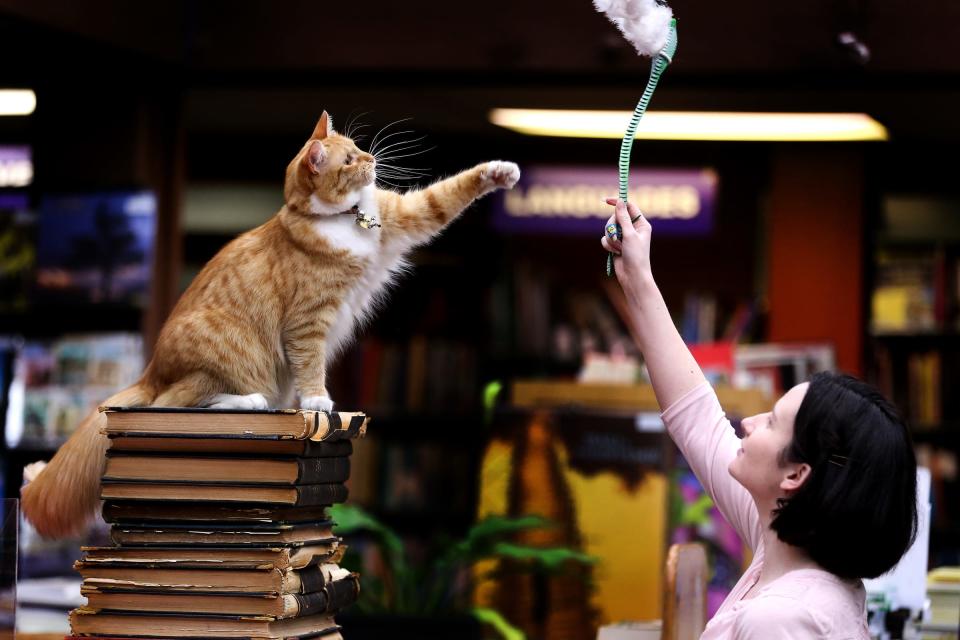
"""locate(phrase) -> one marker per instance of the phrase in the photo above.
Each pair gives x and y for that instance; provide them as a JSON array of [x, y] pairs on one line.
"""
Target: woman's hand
[[633, 266]]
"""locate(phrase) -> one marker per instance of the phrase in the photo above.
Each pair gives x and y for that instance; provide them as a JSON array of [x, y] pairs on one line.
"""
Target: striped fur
[[263, 319]]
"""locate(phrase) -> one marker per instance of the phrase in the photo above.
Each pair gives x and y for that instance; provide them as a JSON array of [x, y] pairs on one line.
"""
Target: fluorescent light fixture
[[17, 102], [694, 125]]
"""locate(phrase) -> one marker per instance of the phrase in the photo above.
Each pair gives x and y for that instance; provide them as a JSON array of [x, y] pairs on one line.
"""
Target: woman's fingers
[[614, 246], [623, 216], [623, 219]]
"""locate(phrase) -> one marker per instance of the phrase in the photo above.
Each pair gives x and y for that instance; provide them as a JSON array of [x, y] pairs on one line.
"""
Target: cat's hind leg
[[192, 390]]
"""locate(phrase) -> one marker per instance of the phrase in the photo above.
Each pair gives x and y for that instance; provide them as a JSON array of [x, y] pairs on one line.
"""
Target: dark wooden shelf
[[915, 335], [53, 321], [455, 427]]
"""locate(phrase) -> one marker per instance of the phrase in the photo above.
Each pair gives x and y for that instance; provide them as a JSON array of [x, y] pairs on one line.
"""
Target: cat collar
[[362, 219]]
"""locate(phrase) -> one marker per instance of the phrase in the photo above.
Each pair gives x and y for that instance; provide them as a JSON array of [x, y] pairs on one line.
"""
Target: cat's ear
[[315, 156], [324, 127]]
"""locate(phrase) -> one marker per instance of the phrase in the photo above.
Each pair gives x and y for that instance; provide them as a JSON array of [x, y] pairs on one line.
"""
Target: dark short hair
[[856, 513]]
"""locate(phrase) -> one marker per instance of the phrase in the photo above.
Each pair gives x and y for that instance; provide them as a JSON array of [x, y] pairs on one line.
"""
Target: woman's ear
[[797, 474]]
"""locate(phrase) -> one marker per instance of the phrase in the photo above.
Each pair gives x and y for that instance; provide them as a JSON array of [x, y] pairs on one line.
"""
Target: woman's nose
[[747, 425]]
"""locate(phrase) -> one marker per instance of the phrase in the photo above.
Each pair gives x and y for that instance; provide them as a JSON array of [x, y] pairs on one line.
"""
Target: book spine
[[334, 426], [315, 470], [335, 449], [331, 599], [342, 593], [318, 494], [313, 578]]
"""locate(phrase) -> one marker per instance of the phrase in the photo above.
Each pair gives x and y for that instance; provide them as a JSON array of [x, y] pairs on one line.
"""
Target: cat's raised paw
[[501, 174], [253, 401], [317, 403]]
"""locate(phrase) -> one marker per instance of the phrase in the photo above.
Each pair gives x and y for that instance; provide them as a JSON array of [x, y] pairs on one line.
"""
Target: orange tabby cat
[[259, 324]]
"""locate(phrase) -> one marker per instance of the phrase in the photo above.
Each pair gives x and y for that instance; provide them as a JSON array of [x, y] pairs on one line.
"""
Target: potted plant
[[431, 598]]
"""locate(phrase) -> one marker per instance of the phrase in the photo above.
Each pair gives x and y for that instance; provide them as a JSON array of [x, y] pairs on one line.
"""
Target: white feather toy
[[645, 23]]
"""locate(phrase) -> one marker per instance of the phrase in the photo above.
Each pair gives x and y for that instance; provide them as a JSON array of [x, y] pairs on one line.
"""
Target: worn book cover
[[277, 557], [330, 599], [264, 581], [236, 445], [160, 513], [173, 534], [270, 423], [86, 621], [296, 495], [226, 470]]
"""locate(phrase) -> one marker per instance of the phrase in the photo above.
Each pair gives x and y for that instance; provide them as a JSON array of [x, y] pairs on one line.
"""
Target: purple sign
[[16, 166], [13, 201], [559, 199]]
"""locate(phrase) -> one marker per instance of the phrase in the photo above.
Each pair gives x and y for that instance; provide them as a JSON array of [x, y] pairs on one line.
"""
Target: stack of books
[[220, 524]]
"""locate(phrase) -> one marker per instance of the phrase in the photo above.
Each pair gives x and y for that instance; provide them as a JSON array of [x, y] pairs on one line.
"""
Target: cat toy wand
[[650, 27]]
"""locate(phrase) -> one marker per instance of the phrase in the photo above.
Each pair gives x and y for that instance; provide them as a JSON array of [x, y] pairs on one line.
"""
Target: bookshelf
[[913, 342]]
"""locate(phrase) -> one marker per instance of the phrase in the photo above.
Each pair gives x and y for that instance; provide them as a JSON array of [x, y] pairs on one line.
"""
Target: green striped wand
[[648, 25]]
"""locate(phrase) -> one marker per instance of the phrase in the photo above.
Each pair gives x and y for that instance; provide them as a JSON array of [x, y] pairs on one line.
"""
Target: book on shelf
[[924, 389], [233, 534], [910, 292], [280, 558], [189, 512], [210, 423], [424, 373], [55, 384], [222, 470], [257, 581], [86, 621], [330, 599], [295, 495], [237, 445]]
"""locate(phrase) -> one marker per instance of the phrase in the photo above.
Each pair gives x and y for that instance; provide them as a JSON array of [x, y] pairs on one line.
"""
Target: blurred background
[[501, 375]]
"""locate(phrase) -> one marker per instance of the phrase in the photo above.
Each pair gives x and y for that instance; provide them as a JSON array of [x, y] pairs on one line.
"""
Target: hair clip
[[837, 459]]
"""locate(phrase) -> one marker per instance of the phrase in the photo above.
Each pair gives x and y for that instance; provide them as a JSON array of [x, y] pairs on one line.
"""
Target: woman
[[822, 488]]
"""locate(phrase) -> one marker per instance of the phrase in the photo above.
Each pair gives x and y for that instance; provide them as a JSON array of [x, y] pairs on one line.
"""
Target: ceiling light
[[17, 102], [694, 125]]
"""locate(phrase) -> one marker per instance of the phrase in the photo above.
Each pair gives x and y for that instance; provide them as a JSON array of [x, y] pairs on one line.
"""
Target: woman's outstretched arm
[[673, 371], [693, 415]]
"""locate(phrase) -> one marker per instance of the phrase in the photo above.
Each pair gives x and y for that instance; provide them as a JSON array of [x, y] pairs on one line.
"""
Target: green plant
[[440, 583]]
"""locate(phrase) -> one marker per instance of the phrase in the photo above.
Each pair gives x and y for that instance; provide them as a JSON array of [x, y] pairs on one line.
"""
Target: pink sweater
[[802, 604]]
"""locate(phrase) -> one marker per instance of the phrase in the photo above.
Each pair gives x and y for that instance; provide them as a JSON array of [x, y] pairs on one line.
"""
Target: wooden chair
[[685, 592]]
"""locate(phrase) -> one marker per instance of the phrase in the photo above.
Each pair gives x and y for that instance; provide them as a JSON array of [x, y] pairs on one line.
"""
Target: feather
[[644, 23]]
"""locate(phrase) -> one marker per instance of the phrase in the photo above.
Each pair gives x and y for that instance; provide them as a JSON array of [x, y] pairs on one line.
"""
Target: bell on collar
[[365, 221]]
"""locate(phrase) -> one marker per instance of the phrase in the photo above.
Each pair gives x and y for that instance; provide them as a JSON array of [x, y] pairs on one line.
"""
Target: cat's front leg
[[306, 352], [317, 403], [498, 174], [416, 216]]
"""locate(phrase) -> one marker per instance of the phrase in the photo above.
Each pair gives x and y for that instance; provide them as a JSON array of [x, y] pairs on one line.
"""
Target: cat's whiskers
[[398, 169], [407, 155], [354, 121], [355, 134], [399, 143], [400, 172], [389, 183], [381, 149], [373, 143], [392, 173]]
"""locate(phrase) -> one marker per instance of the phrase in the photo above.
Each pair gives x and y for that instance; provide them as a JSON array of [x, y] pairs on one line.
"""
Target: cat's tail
[[63, 498]]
